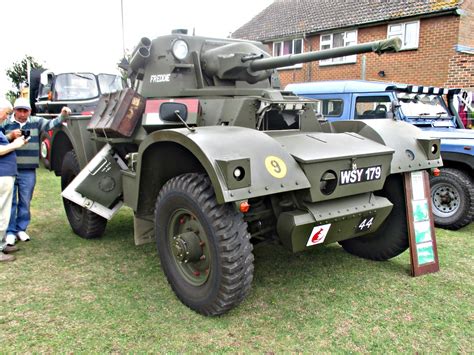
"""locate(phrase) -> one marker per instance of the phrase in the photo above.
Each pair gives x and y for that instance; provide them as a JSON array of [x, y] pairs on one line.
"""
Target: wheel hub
[[44, 150], [186, 247], [445, 200], [446, 197], [189, 247]]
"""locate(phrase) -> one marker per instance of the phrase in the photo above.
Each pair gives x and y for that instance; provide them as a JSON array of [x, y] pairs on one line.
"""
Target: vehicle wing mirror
[[46, 78], [169, 111], [395, 105], [393, 109]]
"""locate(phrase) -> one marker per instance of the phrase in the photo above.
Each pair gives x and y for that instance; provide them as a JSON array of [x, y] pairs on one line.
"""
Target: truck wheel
[[391, 239], [452, 197], [45, 149], [84, 223], [204, 247]]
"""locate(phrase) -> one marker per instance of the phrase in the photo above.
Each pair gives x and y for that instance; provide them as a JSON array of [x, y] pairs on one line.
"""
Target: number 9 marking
[[275, 166]]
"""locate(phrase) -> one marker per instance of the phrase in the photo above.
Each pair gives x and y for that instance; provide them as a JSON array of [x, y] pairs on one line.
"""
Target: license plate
[[354, 176]]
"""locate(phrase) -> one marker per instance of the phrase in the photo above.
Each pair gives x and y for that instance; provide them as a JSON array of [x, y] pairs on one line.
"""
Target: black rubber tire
[[463, 187], [231, 267], [45, 160], [84, 223], [391, 239]]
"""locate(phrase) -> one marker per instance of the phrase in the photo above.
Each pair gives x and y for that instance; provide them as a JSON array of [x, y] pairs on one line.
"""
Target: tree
[[18, 74], [123, 67]]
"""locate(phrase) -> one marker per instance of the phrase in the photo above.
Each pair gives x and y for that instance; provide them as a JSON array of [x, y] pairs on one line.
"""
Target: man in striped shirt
[[27, 163]]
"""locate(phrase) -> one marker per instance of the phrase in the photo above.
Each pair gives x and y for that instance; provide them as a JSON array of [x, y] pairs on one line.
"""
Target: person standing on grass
[[8, 172], [27, 163]]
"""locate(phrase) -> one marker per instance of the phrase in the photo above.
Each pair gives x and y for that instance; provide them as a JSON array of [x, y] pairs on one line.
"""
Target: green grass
[[66, 294]]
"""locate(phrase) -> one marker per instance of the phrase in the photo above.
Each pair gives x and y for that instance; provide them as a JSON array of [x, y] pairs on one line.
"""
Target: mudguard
[[414, 148], [242, 163], [72, 134]]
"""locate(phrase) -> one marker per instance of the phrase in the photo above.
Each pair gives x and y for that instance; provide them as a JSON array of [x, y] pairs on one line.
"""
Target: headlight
[[180, 49]]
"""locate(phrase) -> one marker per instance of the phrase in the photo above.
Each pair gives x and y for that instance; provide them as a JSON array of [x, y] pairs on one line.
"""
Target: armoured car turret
[[212, 158]]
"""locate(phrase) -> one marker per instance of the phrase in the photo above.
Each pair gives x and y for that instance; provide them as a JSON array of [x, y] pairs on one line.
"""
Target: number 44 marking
[[365, 224]]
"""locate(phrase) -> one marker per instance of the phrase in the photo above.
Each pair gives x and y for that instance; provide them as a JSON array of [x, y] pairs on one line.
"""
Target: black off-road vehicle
[[80, 91]]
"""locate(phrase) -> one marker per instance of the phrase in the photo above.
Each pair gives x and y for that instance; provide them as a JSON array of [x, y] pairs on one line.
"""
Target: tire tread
[[233, 243], [92, 225], [466, 186]]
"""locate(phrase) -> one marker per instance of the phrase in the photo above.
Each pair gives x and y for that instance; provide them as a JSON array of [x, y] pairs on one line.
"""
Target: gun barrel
[[379, 47]]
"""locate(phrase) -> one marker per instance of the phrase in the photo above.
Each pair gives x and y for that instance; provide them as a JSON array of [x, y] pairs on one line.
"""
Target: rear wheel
[[452, 198], [84, 223], [204, 247], [391, 239]]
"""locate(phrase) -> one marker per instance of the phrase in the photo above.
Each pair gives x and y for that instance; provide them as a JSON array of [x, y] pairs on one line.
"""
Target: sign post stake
[[421, 232]]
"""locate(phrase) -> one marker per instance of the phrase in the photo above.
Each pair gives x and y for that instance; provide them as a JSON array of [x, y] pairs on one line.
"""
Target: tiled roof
[[285, 18]]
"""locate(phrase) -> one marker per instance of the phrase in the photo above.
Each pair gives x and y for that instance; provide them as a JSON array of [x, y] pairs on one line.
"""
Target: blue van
[[453, 190]]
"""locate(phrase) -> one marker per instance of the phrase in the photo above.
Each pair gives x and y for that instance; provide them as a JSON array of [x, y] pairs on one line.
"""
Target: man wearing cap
[[8, 172], [27, 163]]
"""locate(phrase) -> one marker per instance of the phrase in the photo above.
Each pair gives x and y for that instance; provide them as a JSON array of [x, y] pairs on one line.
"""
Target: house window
[[291, 46], [337, 40], [408, 32]]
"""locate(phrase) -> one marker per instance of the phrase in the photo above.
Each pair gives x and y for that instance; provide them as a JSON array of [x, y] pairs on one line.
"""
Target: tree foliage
[[18, 73]]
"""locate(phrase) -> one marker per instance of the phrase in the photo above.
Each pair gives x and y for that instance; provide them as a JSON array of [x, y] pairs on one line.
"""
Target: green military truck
[[212, 158]]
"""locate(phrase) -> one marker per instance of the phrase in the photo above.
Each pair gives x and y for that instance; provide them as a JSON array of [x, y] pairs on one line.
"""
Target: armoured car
[[212, 158]]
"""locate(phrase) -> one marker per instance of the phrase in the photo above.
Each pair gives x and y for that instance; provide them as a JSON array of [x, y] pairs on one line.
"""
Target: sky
[[86, 35]]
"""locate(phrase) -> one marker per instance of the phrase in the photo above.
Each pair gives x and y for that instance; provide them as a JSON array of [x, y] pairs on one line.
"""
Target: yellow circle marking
[[275, 166]]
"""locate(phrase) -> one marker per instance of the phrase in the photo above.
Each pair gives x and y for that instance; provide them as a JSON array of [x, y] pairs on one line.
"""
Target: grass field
[[66, 294]]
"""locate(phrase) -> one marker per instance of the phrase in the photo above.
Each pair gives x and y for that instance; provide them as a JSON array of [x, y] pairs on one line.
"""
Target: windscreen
[[75, 86], [422, 105], [109, 83]]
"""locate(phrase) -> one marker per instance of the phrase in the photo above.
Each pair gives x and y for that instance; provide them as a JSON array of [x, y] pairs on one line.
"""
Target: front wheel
[[84, 223], [391, 239], [452, 198], [204, 247]]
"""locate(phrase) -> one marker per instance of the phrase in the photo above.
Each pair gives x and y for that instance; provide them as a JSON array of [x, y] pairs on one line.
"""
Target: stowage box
[[117, 114]]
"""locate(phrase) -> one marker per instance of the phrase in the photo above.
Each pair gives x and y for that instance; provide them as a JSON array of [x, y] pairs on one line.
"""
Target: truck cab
[[80, 91], [424, 107]]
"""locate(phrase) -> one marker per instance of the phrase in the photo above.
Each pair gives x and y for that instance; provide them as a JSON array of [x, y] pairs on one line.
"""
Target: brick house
[[437, 36]]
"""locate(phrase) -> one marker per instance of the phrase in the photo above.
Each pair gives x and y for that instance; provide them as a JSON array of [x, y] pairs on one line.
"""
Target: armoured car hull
[[220, 159]]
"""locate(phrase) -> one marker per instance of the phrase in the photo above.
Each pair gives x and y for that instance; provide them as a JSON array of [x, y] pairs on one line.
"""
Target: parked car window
[[109, 83], [372, 107], [75, 86], [422, 105], [332, 107]]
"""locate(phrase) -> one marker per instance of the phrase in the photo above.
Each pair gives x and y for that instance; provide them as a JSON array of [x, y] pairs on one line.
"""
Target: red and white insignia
[[318, 234]]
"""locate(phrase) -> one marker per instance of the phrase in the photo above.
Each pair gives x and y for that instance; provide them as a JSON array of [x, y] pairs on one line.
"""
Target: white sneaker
[[10, 239], [23, 236]]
